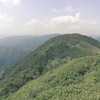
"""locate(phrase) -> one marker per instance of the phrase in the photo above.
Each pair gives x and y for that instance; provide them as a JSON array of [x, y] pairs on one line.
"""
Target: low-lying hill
[[52, 54], [79, 79]]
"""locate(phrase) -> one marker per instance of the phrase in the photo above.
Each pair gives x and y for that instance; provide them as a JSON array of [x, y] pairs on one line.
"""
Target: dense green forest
[[66, 66]]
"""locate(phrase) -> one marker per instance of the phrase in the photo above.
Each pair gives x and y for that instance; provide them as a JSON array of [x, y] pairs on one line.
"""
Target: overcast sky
[[38, 17]]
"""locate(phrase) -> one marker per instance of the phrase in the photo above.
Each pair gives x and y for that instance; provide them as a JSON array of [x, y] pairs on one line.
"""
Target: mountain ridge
[[52, 54], [17, 47]]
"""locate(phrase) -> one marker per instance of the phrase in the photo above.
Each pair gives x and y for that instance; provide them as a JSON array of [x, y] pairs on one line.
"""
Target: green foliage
[[52, 54], [71, 81], [17, 47]]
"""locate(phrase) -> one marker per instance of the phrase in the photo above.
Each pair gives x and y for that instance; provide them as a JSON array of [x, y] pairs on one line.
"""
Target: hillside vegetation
[[12, 49], [79, 79], [52, 54]]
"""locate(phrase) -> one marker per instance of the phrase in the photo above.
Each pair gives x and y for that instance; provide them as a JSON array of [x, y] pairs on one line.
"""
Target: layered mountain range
[[13, 49]]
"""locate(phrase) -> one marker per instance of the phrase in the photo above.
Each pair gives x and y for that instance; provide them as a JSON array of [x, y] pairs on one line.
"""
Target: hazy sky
[[37, 17]]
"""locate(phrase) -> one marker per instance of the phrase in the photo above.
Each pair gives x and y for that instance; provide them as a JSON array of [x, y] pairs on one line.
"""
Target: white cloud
[[33, 21], [62, 24], [67, 9], [59, 24], [6, 22], [11, 2], [65, 19], [5, 19]]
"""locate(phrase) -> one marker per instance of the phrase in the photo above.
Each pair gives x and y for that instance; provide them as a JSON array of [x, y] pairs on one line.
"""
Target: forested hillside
[[53, 54], [16, 47], [79, 79]]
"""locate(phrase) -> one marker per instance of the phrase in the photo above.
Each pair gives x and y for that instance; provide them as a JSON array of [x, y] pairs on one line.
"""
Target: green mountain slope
[[52, 54], [17, 47], [79, 79]]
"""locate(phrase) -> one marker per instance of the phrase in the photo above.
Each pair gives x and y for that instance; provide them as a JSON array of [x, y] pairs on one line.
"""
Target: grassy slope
[[50, 55], [77, 80]]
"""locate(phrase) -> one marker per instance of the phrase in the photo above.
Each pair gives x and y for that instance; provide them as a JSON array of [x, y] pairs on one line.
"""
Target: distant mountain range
[[98, 38], [15, 48], [69, 65]]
